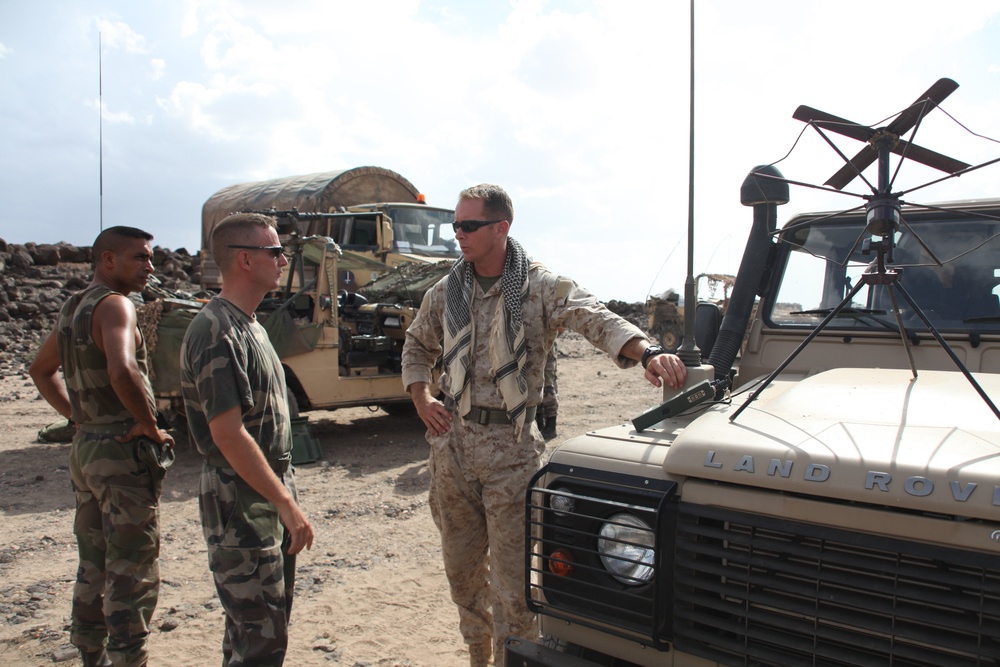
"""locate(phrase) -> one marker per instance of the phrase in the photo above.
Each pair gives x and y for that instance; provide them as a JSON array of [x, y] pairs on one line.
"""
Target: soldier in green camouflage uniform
[[118, 456], [497, 314], [237, 411]]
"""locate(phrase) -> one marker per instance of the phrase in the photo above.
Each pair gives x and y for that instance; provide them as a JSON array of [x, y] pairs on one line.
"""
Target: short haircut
[[233, 230], [114, 239], [496, 202]]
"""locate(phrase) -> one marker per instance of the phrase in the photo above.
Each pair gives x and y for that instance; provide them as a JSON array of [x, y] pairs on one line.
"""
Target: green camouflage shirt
[[227, 361], [85, 368]]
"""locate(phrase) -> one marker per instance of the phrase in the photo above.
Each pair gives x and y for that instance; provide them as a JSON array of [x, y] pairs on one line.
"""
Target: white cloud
[[158, 69], [4, 51], [108, 116], [578, 107], [119, 35]]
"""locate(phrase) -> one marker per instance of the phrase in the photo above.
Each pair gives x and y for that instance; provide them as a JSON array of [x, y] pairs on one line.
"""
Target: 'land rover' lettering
[[918, 486], [709, 460], [783, 468], [961, 494], [879, 479], [915, 485], [817, 472]]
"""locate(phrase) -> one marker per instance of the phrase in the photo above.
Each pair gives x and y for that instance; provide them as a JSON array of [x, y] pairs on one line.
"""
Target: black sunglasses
[[276, 250], [469, 226]]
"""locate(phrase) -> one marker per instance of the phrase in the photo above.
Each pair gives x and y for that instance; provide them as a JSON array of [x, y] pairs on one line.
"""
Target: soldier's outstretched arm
[[44, 371], [246, 458]]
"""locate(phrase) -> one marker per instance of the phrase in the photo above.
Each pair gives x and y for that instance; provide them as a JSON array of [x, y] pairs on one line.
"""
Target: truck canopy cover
[[311, 193]]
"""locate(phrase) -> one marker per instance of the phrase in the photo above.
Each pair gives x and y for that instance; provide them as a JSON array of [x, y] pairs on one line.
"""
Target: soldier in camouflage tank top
[[117, 459]]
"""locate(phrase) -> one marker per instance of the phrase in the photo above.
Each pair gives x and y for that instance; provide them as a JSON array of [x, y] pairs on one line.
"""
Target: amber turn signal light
[[561, 563]]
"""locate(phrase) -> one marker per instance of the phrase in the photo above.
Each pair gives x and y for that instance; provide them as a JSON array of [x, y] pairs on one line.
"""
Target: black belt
[[483, 416], [280, 466]]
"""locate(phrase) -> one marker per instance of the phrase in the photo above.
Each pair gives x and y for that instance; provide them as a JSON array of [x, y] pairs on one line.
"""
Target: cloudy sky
[[578, 107]]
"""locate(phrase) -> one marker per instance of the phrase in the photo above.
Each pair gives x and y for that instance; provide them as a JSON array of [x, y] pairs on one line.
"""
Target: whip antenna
[[688, 351], [100, 132]]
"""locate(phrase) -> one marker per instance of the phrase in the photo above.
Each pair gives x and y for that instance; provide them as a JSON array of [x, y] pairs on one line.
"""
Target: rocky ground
[[370, 593]]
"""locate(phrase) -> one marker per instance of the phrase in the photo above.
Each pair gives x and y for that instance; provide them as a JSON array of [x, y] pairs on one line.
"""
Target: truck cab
[[837, 504], [392, 233]]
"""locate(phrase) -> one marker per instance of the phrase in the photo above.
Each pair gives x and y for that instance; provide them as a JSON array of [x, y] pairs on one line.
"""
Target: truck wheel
[[671, 336]]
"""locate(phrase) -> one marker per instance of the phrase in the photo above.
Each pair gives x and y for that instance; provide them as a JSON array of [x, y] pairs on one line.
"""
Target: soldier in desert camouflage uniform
[[118, 456], [237, 412], [497, 314]]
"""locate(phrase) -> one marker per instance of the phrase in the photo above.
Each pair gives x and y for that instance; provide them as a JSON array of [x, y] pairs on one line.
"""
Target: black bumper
[[523, 653]]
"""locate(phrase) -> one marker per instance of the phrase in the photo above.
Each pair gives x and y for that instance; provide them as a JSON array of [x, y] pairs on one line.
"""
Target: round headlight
[[562, 501], [627, 549]]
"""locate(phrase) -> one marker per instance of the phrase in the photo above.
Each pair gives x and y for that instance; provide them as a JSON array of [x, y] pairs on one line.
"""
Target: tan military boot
[[479, 654]]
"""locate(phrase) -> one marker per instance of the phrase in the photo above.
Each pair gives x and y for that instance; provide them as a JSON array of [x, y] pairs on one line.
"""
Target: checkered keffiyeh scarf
[[508, 351]]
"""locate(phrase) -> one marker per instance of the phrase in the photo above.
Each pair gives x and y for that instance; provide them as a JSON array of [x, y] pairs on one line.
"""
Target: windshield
[[949, 264], [420, 230]]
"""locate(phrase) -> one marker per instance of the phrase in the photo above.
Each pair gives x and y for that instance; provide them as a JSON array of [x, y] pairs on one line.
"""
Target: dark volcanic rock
[[36, 279]]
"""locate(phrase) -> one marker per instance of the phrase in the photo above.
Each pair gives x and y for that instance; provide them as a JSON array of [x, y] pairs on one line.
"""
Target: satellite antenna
[[882, 210]]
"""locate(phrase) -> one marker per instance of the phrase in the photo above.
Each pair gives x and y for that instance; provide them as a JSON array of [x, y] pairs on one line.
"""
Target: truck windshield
[[949, 264], [421, 230]]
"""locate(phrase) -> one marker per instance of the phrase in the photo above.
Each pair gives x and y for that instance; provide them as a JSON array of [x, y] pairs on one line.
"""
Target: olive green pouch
[[157, 457]]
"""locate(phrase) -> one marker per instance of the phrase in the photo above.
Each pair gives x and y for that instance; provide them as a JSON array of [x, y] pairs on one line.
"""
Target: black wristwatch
[[651, 351]]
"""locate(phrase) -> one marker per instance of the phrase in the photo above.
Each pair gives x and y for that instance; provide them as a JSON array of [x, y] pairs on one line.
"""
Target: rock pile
[[36, 279]]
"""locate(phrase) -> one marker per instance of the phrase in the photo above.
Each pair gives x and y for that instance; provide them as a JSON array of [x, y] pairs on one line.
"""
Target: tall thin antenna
[[688, 351], [100, 104]]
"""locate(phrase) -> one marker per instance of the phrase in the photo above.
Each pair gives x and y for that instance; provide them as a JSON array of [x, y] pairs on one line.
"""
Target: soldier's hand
[[666, 369], [140, 430], [433, 414], [300, 531]]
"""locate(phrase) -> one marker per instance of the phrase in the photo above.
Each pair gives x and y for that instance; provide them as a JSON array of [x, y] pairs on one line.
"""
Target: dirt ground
[[371, 592]]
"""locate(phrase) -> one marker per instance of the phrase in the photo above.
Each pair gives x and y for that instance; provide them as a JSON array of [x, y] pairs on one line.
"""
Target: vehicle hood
[[877, 436]]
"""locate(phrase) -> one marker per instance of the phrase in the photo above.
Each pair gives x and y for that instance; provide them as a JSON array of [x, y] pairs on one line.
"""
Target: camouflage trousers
[[550, 401], [479, 475], [254, 573], [117, 535]]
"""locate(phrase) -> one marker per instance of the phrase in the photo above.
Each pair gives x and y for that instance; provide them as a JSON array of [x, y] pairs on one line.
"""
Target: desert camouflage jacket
[[553, 302]]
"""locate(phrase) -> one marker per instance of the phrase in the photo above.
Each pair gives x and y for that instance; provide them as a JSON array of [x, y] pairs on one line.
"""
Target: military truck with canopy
[[339, 348], [367, 210]]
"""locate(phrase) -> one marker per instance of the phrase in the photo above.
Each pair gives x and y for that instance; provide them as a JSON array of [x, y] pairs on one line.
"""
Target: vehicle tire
[[671, 336]]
